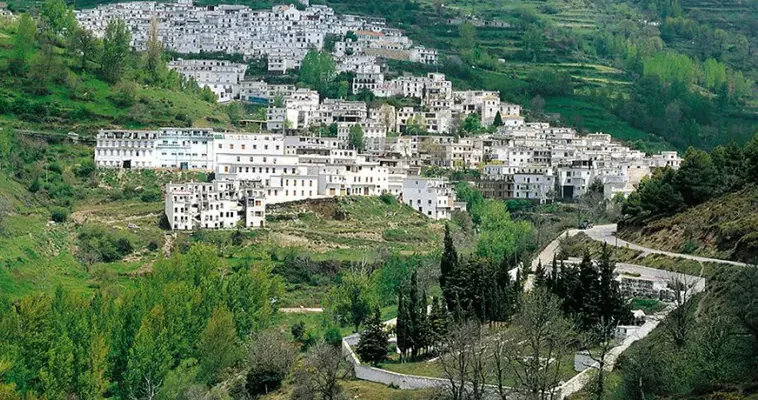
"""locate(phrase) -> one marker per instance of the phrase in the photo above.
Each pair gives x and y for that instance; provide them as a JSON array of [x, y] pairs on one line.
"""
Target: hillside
[[53, 93], [722, 228]]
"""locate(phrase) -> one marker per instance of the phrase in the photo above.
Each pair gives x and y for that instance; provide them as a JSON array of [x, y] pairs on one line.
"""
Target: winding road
[[607, 234]]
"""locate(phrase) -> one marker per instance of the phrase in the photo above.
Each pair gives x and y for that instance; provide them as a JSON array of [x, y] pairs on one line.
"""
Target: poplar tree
[[115, 50]]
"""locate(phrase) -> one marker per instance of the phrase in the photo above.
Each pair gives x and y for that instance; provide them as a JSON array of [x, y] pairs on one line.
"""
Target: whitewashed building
[[432, 197]]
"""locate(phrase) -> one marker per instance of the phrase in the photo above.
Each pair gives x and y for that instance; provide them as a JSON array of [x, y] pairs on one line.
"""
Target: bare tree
[[597, 343], [465, 361], [319, 376], [678, 323], [541, 336], [271, 356]]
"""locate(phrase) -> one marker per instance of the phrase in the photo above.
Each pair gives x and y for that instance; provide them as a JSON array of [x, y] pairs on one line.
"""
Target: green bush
[[100, 244], [150, 196], [333, 336], [59, 214], [388, 199]]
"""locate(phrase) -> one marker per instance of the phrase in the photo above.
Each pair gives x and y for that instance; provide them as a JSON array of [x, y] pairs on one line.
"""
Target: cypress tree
[[611, 303], [439, 319], [540, 280], [498, 120], [401, 327], [372, 346], [415, 316], [448, 269], [588, 295]]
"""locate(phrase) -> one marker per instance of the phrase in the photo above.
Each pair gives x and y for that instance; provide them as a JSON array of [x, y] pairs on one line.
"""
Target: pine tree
[[448, 269], [372, 346]]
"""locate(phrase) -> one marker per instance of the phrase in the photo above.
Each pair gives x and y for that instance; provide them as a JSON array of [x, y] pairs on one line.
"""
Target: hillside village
[[282, 35], [528, 161]]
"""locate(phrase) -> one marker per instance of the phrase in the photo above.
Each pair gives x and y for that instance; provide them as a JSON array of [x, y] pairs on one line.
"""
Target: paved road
[[607, 234]]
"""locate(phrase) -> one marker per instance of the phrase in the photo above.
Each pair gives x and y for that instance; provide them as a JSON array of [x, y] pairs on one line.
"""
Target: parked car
[[585, 225]]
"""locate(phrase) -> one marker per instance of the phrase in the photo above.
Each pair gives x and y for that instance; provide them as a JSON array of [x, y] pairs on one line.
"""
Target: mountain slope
[[726, 227]]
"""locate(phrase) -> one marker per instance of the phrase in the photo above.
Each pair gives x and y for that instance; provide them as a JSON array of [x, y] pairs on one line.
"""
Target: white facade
[[222, 77], [432, 197], [220, 204]]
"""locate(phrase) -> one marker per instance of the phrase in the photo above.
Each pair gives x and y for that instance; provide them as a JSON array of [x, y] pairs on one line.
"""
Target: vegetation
[[710, 192]]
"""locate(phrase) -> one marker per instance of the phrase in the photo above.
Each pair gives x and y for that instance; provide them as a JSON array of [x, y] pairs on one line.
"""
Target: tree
[[355, 138], [612, 308], [498, 120], [57, 18], [149, 357], [678, 323], [84, 44], [23, 44], [353, 300], [534, 41], [321, 372], [533, 350], [658, 194], [318, 69], [472, 124], [465, 361], [154, 49], [448, 268], [597, 342], [538, 104], [270, 358], [372, 346], [467, 35], [696, 177], [751, 158], [587, 293], [115, 50], [217, 346]]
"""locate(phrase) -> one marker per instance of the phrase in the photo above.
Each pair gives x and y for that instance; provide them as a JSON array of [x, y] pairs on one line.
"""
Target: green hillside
[[50, 91]]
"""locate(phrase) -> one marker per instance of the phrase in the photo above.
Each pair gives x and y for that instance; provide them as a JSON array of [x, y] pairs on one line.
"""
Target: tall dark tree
[[448, 269], [589, 282], [498, 120], [751, 158], [372, 346], [612, 309], [401, 327], [540, 280]]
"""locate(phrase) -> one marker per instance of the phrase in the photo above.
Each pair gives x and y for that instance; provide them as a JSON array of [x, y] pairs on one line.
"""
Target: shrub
[[124, 94], [333, 336], [100, 244], [388, 199], [59, 214], [150, 196]]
